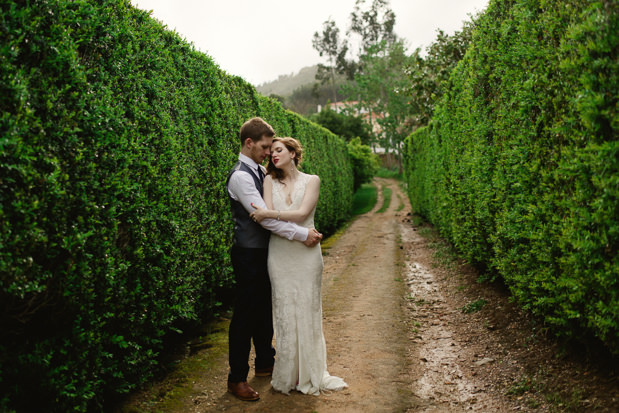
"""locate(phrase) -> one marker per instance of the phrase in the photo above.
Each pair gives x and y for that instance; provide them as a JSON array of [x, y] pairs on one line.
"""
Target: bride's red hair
[[292, 145]]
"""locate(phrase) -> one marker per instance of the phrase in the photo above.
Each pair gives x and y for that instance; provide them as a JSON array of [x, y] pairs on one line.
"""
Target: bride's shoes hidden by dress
[[243, 391]]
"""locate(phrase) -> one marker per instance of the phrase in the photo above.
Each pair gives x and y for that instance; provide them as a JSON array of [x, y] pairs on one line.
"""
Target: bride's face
[[280, 155]]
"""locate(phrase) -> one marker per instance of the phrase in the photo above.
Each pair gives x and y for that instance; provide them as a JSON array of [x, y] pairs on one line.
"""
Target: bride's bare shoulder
[[310, 177]]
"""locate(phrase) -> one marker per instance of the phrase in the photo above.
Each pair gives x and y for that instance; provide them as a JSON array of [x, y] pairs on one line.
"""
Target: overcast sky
[[262, 39]]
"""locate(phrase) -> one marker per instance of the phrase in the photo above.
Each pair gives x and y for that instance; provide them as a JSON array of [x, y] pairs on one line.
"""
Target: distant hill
[[301, 92], [284, 85]]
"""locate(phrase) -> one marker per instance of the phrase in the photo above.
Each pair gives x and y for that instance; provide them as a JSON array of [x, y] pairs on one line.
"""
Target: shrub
[[519, 165], [364, 162], [344, 125]]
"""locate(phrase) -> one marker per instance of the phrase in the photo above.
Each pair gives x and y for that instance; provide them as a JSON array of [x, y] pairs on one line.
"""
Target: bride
[[296, 275]]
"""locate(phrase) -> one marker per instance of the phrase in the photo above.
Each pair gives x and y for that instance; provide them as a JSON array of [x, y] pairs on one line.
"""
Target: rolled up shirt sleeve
[[241, 188]]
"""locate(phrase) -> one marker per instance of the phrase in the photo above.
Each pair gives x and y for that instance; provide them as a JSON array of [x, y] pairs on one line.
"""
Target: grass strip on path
[[386, 199], [364, 199]]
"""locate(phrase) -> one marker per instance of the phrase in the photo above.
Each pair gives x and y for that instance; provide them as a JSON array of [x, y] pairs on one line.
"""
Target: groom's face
[[260, 149]]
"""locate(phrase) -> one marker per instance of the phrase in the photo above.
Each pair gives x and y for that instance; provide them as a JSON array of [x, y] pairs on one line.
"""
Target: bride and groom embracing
[[277, 264]]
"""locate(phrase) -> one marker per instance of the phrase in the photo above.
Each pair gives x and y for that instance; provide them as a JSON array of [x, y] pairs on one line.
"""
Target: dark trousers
[[252, 317]]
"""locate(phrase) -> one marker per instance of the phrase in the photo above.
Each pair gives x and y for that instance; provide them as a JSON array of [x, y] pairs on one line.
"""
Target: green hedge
[[519, 166], [115, 140]]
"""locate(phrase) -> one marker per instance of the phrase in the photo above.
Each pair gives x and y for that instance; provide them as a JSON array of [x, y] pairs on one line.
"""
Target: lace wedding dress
[[296, 276]]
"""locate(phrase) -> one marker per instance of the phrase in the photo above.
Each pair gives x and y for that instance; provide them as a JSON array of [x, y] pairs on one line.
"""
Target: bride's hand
[[259, 214]]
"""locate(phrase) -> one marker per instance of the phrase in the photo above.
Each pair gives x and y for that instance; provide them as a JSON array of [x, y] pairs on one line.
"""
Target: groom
[[252, 317]]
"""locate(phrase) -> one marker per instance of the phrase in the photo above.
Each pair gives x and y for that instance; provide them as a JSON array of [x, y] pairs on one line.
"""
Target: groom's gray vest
[[247, 233]]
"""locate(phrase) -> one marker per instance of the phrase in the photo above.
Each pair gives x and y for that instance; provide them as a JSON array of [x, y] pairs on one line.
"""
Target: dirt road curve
[[396, 332]]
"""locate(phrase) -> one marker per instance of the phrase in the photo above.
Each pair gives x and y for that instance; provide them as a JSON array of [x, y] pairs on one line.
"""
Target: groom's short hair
[[255, 129]]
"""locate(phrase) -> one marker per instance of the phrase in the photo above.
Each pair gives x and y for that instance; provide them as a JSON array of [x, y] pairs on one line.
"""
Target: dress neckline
[[292, 189]]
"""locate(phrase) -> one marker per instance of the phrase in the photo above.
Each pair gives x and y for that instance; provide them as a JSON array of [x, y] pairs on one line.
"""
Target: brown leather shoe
[[242, 390], [264, 372]]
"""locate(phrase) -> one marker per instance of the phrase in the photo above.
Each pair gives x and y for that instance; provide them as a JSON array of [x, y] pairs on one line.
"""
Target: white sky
[[262, 39]]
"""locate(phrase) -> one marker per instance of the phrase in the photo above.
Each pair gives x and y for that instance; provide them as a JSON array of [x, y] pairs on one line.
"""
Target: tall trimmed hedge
[[115, 140], [519, 166]]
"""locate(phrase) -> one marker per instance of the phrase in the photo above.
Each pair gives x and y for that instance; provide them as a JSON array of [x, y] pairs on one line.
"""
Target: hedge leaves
[[116, 136], [519, 166]]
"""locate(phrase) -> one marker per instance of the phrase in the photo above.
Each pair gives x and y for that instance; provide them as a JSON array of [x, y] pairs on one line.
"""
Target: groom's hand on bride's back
[[313, 238]]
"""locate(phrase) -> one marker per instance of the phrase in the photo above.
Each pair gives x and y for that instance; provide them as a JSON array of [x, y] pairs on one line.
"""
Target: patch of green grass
[[387, 192], [426, 232], [401, 206], [567, 399], [417, 220], [521, 387], [328, 242], [474, 306], [445, 255], [532, 403], [537, 387], [364, 199], [170, 393], [389, 173]]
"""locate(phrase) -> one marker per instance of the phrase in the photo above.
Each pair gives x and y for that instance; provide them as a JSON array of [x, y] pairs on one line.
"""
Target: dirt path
[[397, 333], [364, 310]]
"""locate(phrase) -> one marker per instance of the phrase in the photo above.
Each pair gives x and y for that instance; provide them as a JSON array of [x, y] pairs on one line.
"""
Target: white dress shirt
[[242, 188]]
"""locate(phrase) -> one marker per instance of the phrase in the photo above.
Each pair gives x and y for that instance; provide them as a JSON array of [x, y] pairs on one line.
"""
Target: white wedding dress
[[296, 276]]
